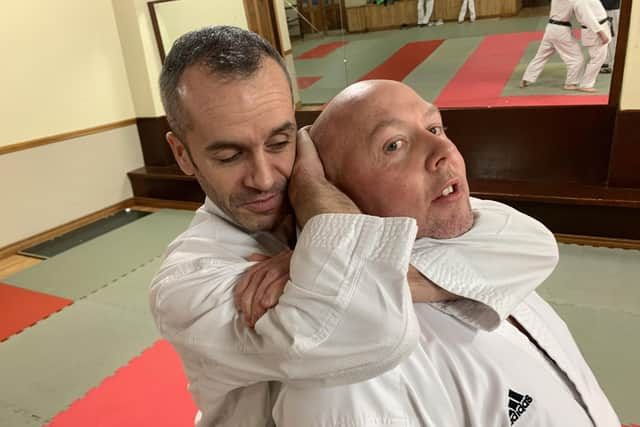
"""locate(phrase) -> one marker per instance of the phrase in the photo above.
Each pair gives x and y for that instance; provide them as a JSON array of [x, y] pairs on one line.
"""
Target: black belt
[[563, 23], [602, 21]]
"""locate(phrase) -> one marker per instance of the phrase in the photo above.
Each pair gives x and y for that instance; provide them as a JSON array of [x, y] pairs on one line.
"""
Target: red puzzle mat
[[305, 82], [21, 308], [321, 50], [480, 81], [150, 391], [404, 61]]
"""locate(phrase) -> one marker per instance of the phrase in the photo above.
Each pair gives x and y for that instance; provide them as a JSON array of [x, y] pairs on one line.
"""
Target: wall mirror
[[453, 60]]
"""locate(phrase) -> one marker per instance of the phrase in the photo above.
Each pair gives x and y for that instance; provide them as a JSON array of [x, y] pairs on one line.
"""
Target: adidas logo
[[518, 404]]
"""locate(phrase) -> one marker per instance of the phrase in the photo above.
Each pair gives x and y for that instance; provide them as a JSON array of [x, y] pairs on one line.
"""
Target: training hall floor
[[453, 65], [78, 346]]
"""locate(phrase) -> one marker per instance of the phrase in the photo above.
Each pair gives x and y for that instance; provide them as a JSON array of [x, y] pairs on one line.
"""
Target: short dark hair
[[230, 52]]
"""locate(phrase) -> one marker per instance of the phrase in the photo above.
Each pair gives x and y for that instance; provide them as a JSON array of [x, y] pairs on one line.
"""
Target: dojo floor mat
[[150, 391], [92, 265], [597, 293], [21, 308], [486, 75], [83, 234], [98, 361]]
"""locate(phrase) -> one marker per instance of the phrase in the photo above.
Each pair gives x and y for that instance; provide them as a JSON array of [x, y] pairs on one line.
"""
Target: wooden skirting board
[[133, 202]]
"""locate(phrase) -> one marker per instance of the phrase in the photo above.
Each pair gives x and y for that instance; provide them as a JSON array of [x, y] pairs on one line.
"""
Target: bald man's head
[[385, 148]]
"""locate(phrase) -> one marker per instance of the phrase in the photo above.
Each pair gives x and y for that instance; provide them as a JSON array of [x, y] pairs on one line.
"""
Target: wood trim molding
[[624, 160], [156, 27], [64, 228], [64, 136], [166, 204], [605, 242], [615, 90]]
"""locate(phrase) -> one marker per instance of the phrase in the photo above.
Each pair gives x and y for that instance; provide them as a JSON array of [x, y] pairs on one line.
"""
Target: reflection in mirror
[[458, 53], [172, 18]]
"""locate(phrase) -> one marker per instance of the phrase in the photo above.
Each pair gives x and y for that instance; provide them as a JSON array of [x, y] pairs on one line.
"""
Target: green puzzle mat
[[48, 366], [597, 293], [88, 267]]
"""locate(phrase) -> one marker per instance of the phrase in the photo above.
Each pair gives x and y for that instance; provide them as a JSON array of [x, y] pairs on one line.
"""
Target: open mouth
[[448, 193]]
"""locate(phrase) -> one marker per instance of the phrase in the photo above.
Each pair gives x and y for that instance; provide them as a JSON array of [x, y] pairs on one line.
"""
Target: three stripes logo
[[518, 404]]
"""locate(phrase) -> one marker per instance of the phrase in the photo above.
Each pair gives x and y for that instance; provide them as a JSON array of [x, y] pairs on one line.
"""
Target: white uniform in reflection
[[467, 4], [425, 9], [613, 12], [558, 38], [593, 17]]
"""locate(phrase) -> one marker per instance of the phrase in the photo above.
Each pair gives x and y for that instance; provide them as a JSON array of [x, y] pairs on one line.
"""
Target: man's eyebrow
[[283, 128], [383, 124], [223, 145], [286, 127]]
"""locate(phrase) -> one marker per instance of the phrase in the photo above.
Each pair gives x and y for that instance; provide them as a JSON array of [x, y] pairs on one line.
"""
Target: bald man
[[386, 149]]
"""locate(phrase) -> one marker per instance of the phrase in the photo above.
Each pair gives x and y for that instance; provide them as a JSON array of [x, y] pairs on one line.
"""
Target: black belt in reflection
[[607, 19], [563, 23]]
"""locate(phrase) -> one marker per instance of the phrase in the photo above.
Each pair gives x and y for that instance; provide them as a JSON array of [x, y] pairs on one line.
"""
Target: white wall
[[630, 97], [47, 186], [63, 70]]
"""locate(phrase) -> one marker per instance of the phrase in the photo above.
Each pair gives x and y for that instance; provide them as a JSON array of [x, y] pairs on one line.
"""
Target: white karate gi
[[345, 316], [467, 4], [558, 38], [424, 13], [591, 14], [463, 377]]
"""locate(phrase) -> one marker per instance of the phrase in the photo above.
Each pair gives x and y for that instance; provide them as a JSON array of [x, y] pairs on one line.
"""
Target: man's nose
[[439, 150], [261, 174]]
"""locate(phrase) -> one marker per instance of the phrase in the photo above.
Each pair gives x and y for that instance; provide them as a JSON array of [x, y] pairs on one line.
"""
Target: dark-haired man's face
[[242, 142]]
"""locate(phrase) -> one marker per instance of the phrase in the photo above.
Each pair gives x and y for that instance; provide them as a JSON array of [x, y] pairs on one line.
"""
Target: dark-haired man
[[345, 315]]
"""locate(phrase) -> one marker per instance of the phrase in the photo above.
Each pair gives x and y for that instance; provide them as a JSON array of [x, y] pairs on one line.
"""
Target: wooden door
[[261, 19]]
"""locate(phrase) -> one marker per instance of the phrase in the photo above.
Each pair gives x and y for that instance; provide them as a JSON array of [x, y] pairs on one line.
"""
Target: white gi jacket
[[346, 314], [464, 377], [592, 15]]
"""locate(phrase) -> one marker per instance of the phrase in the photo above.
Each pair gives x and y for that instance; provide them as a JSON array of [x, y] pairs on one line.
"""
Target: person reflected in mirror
[[467, 5], [595, 37], [425, 10], [557, 38], [613, 13]]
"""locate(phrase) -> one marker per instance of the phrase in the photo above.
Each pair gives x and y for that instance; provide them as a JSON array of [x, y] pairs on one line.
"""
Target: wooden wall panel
[[541, 144], [624, 169], [356, 19], [155, 149]]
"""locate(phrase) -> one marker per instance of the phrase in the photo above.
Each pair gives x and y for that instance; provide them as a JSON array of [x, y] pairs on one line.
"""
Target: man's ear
[[180, 153]]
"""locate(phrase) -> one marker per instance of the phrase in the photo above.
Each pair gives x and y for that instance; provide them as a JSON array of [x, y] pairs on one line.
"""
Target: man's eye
[[279, 145], [230, 158], [394, 145], [437, 130]]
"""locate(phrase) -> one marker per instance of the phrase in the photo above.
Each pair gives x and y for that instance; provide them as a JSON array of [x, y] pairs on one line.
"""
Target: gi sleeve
[[494, 266], [345, 315]]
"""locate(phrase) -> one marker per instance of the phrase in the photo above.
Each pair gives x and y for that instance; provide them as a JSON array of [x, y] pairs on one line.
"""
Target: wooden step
[[566, 209], [165, 182], [570, 208]]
